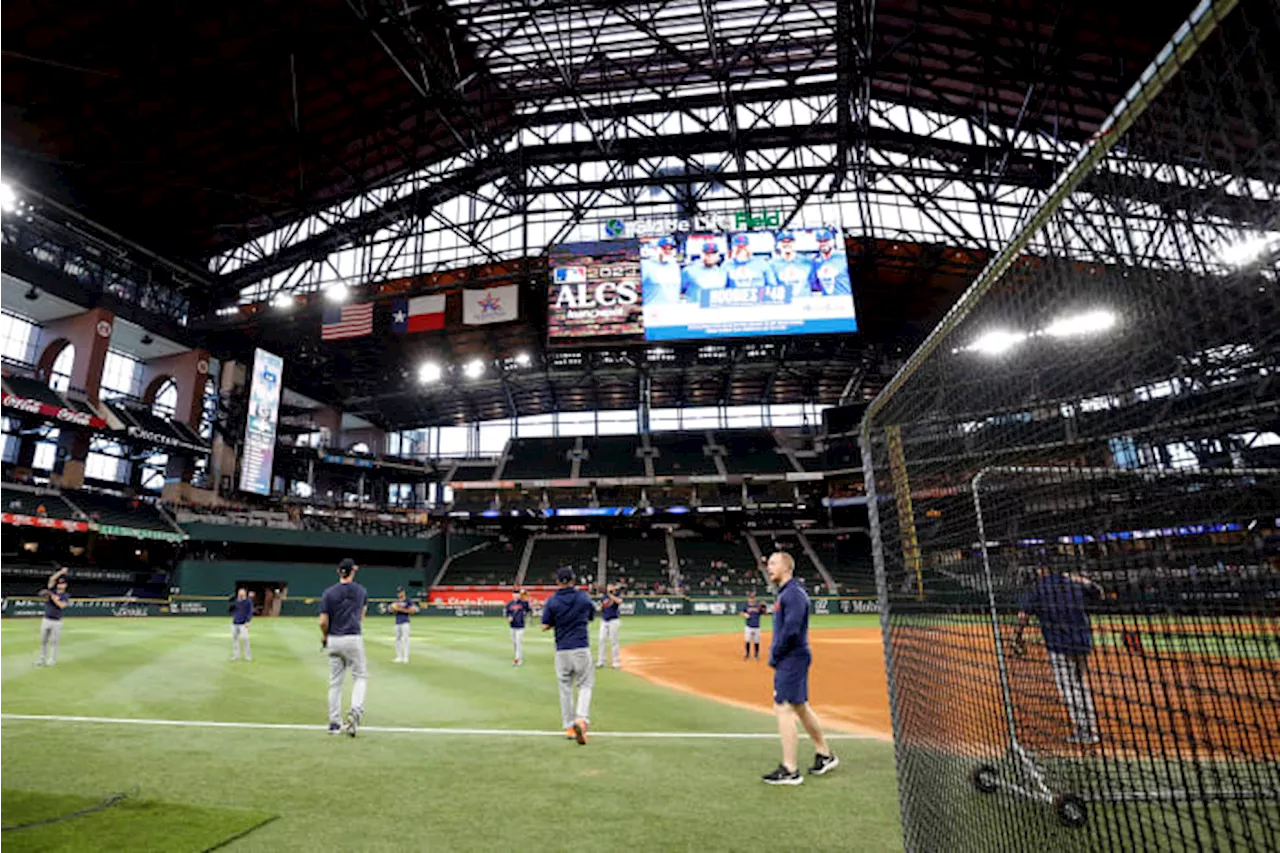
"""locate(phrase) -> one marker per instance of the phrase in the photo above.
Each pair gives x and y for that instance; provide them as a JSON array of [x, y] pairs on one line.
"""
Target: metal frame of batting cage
[[1200, 24], [1030, 775]]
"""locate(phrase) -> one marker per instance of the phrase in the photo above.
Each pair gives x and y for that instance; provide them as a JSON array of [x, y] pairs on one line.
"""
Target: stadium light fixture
[[336, 292], [8, 197], [523, 359], [430, 372], [997, 342], [1088, 323], [1248, 251], [283, 301], [474, 369]]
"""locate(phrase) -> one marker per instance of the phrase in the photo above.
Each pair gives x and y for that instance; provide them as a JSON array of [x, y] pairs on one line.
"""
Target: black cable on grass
[[224, 842], [102, 806]]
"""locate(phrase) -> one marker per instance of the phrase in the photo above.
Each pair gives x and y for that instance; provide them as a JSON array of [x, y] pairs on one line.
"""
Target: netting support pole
[[906, 512], [882, 583], [1006, 694]]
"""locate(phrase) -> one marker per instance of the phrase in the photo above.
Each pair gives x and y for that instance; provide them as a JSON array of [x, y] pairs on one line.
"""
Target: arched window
[[60, 374], [360, 447], [166, 402]]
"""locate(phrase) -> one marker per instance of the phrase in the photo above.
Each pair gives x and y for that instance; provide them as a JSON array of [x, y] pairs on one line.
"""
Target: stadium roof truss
[[896, 119]]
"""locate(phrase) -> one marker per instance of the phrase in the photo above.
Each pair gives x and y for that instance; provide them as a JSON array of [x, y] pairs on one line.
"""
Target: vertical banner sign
[[258, 455]]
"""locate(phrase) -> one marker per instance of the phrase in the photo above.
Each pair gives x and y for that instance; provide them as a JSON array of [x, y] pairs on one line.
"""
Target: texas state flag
[[419, 314]]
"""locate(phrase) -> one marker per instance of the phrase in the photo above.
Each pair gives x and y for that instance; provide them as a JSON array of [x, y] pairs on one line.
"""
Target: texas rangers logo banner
[[491, 305]]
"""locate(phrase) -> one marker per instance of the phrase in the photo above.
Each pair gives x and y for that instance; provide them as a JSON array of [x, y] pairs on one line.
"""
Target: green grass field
[[400, 790]]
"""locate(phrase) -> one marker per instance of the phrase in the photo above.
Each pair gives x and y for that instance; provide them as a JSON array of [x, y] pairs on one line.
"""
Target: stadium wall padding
[[217, 578]]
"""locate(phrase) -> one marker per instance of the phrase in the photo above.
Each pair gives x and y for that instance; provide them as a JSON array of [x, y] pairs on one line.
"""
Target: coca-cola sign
[[48, 410]]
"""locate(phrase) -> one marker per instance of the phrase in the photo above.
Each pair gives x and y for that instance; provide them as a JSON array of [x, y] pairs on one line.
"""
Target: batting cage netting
[[1074, 487]]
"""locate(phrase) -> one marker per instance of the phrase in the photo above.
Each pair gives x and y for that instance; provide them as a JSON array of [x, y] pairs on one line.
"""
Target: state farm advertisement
[[595, 294], [476, 595]]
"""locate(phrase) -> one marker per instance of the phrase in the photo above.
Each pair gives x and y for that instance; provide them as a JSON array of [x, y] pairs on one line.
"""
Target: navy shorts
[[791, 680]]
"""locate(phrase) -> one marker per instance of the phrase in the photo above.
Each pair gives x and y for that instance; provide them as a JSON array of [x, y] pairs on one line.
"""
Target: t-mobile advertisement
[[594, 293], [258, 455], [748, 284]]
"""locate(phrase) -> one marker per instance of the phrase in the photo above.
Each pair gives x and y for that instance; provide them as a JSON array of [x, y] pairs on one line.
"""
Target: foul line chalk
[[211, 724]]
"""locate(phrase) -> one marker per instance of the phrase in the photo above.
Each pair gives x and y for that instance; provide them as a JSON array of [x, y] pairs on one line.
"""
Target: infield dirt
[[846, 684]]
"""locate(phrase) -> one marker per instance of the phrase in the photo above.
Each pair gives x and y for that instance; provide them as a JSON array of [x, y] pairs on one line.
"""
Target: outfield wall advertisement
[[692, 285], [457, 604]]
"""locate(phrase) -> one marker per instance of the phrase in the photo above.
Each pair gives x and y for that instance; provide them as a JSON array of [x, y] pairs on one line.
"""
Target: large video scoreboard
[[699, 286]]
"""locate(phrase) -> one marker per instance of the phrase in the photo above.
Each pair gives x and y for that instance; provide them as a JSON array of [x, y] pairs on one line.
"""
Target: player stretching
[[403, 608], [55, 601], [241, 615], [752, 612], [568, 611], [609, 625], [1057, 602], [341, 616], [790, 659], [517, 609]]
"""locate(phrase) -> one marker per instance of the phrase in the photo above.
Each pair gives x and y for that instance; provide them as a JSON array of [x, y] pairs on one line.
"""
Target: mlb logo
[[570, 275]]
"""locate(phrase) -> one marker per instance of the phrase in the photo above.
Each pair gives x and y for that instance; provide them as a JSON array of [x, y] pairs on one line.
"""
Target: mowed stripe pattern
[[347, 321]]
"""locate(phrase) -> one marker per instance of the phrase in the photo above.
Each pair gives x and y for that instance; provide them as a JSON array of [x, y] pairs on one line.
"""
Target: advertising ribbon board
[[48, 410]]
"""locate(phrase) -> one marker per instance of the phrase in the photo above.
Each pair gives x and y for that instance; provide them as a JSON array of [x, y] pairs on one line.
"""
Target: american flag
[[346, 321]]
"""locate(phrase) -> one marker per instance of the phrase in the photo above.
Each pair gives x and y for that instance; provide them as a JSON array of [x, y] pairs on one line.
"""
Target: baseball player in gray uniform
[[341, 620], [241, 616], [56, 600], [403, 608], [568, 612]]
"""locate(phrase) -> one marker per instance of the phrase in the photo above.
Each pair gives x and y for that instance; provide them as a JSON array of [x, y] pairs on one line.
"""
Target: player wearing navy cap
[[56, 600], [568, 611], [661, 279], [341, 618], [241, 616], [831, 267], [1058, 603], [610, 624], [517, 609], [746, 270], [751, 612], [706, 273], [403, 608], [790, 658]]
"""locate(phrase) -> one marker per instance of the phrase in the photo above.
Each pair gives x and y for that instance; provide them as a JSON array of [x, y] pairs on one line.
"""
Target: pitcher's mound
[[846, 683]]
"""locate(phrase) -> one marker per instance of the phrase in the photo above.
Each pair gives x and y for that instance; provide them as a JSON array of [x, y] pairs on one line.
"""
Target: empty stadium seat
[[611, 456], [494, 565], [638, 562], [681, 454], [538, 458], [847, 557], [581, 555], [752, 451], [122, 512], [718, 567]]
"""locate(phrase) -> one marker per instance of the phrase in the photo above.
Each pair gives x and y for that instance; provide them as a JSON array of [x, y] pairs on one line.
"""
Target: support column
[[90, 334], [222, 461], [189, 371], [329, 421], [372, 436]]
